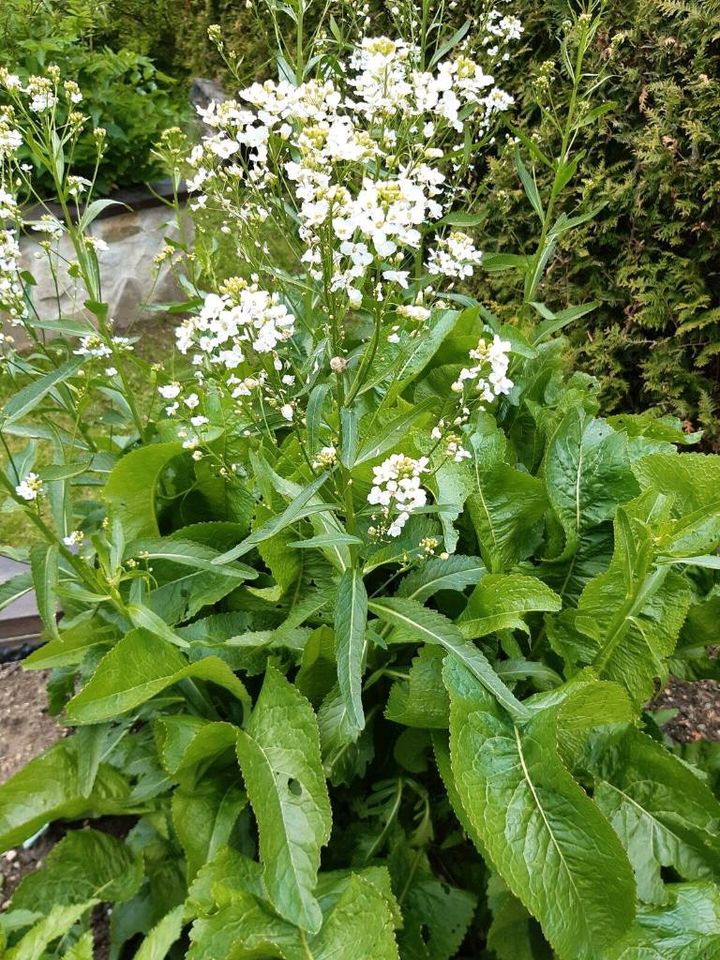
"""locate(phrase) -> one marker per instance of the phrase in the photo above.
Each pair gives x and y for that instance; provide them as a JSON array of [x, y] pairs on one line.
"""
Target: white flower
[[287, 411], [30, 488], [74, 539], [489, 374], [397, 276], [169, 391], [397, 488], [325, 458], [454, 256], [199, 421]]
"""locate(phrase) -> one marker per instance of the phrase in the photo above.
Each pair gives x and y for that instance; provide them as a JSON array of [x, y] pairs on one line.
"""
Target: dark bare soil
[[698, 710], [26, 729]]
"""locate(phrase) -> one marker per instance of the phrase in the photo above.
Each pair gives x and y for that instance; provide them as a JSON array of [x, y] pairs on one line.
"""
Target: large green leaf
[[350, 623], [628, 619], [53, 786], [501, 600], [545, 837], [504, 508], [691, 479], [56, 924], [688, 929], [420, 623], [139, 667], [587, 473], [162, 936], [454, 573], [664, 814], [132, 485], [279, 754], [204, 816], [357, 924], [84, 865]]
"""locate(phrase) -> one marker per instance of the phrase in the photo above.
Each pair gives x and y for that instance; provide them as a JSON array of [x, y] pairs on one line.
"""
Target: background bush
[[651, 254], [107, 49]]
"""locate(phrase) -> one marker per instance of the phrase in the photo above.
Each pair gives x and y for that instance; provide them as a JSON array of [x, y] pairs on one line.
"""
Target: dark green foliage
[[104, 50], [651, 255]]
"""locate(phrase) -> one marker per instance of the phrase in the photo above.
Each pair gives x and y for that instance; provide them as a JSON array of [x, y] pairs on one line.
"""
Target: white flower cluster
[[398, 490], [244, 315], [366, 158], [12, 298], [42, 92], [30, 488], [489, 373], [454, 256], [92, 345], [10, 137]]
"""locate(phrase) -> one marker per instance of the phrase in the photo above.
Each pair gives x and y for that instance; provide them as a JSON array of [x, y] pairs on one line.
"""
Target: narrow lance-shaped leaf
[[279, 755], [433, 627], [44, 566], [544, 835], [350, 622], [28, 398]]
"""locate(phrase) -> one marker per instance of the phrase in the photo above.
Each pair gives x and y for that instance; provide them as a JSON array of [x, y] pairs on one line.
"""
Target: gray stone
[[129, 275]]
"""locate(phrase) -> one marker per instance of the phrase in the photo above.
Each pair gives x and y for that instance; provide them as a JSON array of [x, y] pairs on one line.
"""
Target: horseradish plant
[[359, 629]]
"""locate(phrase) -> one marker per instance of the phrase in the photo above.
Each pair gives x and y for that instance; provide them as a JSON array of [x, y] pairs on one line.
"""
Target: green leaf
[[628, 619], [689, 929], [140, 666], [279, 754], [358, 925], [53, 786], [513, 933], [350, 622], [30, 396], [131, 488], [664, 815], [57, 923], [529, 186], [435, 914], [84, 865], [501, 600], [15, 588], [587, 474], [454, 573], [433, 627], [393, 432], [545, 837], [691, 479], [504, 509], [188, 554], [345, 754], [421, 701], [162, 936], [44, 566], [204, 816], [304, 504]]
